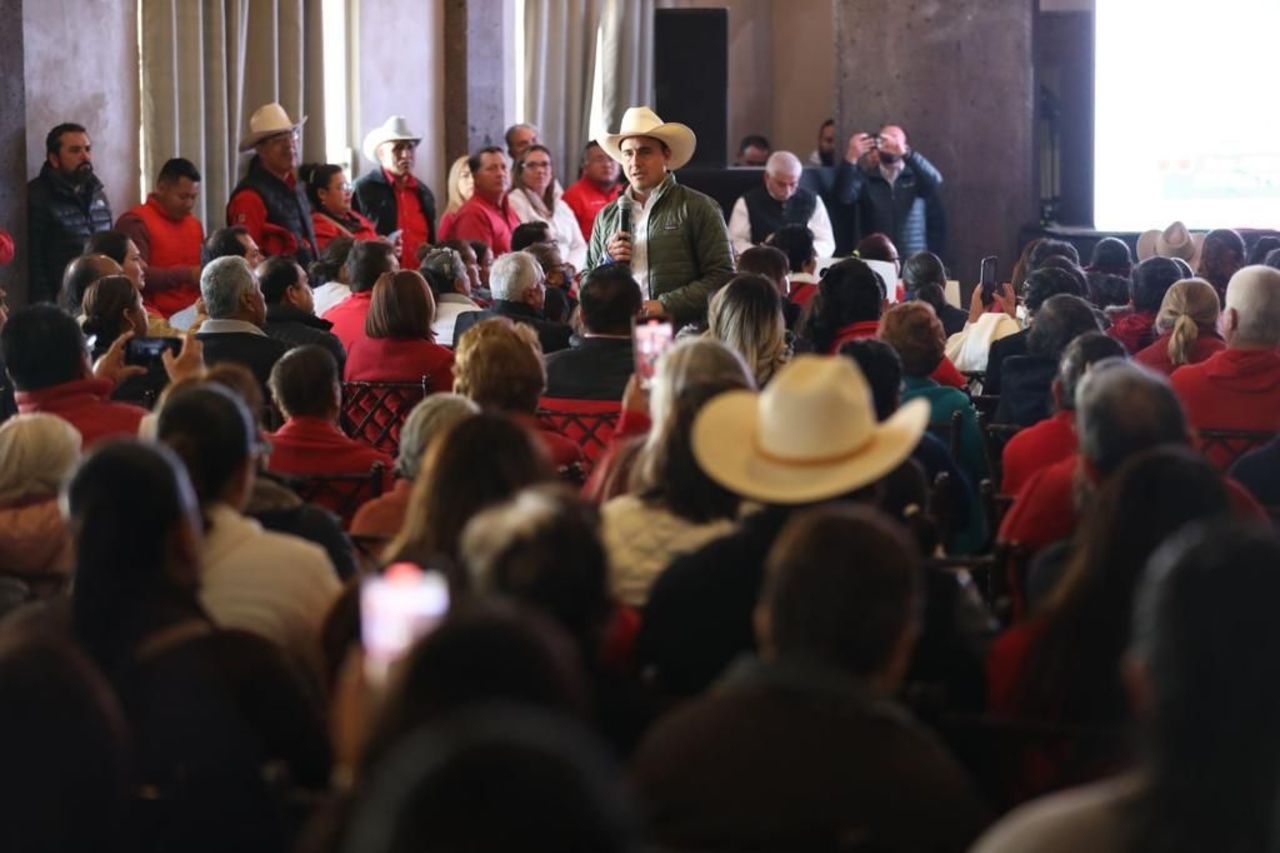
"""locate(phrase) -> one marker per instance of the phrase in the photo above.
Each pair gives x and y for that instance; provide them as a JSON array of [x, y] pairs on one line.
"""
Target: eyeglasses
[[537, 164]]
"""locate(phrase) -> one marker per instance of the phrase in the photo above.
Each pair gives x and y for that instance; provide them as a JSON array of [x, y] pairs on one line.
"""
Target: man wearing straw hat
[[677, 245], [268, 201], [390, 195]]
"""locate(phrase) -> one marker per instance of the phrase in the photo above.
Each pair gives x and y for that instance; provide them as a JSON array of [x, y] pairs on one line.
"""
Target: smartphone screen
[[987, 278], [651, 339], [148, 351], [396, 609]]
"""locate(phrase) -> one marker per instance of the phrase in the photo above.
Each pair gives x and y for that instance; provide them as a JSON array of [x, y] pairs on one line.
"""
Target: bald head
[[1123, 409], [80, 274], [1251, 319], [782, 174]]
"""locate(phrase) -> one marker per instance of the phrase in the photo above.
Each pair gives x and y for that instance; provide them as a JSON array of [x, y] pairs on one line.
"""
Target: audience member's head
[[368, 260], [782, 171], [470, 259], [1058, 262], [766, 261], [1080, 355], [1151, 280], [849, 292], [609, 300], [882, 368], [915, 333], [551, 262], [841, 590], [796, 242], [498, 365], [305, 383], [878, 247], [519, 137], [922, 269], [1111, 255], [331, 266], [517, 277], [119, 247], [1189, 307], [38, 452], [478, 462], [746, 316], [233, 241], [212, 432], [753, 150], [429, 420], [1041, 284], [459, 185], [42, 347], [1123, 409], [1045, 249], [177, 187], [494, 780], [284, 282], [1262, 247], [327, 187], [113, 306], [1221, 255], [1251, 318], [402, 307], [445, 271], [79, 274], [1060, 320], [527, 234], [230, 292], [1022, 266]]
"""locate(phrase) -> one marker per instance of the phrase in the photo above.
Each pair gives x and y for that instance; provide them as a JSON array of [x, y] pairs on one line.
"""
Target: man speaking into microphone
[[673, 238]]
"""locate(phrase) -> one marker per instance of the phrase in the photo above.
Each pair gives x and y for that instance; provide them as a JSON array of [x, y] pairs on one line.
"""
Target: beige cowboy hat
[[642, 121], [811, 435], [268, 120], [1173, 242], [394, 129]]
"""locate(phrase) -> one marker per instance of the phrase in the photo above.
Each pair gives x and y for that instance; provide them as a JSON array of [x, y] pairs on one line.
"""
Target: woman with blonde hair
[[1188, 327], [460, 186], [746, 316], [37, 455]]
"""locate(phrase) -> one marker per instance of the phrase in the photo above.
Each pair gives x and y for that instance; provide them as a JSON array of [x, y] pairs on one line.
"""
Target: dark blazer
[[376, 199], [552, 336], [1015, 344], [595, 369], [296, 328], [259, 353]]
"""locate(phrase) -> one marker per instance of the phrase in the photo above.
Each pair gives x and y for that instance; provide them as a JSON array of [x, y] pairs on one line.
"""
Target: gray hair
[[445, 261], [513, 275], [37, 455], [222, 283], [427, 422], [1122, 408], [1254, 294], [783, 163]]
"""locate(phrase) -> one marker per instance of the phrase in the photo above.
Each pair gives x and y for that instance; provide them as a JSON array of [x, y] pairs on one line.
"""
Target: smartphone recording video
[[651, 339], [146, 352], [987, 279], [396, 609]]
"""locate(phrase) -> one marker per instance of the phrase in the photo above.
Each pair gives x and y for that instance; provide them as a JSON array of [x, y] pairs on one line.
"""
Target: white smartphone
[[650, 339], [396, 609]]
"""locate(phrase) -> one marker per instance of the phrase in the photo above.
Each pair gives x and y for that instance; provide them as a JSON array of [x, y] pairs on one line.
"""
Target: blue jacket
[[902, 210]]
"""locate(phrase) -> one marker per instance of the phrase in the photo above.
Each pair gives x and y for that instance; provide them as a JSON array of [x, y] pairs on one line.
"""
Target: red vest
[[173, 244]]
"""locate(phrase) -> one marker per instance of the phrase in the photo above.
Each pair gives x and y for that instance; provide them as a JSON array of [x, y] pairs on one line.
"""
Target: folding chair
[[374, 412], [588, 423]]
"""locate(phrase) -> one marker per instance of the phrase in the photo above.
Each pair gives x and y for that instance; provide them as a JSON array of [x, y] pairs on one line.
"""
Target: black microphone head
[[624, 214]]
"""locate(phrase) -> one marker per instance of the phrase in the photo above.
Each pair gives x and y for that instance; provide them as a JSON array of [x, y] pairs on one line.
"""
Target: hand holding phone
[[146, 352], [650, 340], [987, 279], [396, 609]]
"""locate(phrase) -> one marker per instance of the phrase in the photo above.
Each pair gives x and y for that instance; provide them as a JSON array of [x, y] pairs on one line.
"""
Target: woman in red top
[[1187, 325], [329, 192], [399, 345]]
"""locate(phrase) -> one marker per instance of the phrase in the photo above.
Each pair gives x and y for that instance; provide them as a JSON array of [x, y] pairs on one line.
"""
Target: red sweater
[[400, 360], [1035, 448], [384, 515], [327, 228], [1156, 356], [348, 318], [585, 199], [307, 446], [87, 405], [480, 219], [1233, 389]]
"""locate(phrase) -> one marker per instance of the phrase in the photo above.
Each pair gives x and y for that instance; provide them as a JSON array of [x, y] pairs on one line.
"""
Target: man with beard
[[65, 204], [894, 188]]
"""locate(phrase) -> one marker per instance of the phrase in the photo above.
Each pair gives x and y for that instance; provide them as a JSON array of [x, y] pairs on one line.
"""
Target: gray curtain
[[207, 65], [566, 42]]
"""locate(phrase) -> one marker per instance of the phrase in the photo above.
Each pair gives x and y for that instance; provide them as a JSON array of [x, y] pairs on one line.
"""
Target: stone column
[[475, 43], [958, 75], [13, 153]]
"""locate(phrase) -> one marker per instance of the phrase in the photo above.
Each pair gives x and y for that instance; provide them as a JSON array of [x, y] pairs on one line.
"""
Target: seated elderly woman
[[399, 344], [1188, 327], [37, 455], [499, 367]]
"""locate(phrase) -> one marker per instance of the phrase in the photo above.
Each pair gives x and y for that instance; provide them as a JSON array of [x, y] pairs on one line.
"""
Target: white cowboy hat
[[394, 129], [268, 120], [810, 435], [1173, 242], [642, 121]]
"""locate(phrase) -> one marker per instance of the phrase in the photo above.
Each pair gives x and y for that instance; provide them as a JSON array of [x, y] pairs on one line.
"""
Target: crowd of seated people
[[796, 583]]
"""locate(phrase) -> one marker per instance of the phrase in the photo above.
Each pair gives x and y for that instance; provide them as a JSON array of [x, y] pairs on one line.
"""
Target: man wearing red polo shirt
[[169, 237], [487, 216], [597, 187], [390, 195]]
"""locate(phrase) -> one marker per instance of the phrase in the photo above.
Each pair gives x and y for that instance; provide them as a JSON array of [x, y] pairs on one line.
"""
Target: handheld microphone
[[624, 213]]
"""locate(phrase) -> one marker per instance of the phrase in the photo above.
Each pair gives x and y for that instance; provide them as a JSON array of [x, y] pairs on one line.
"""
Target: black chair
[[948, 432], [994, 438]]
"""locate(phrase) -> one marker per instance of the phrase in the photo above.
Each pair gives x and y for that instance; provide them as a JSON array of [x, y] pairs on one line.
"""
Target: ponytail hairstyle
[[1188, 306], [317, 176]]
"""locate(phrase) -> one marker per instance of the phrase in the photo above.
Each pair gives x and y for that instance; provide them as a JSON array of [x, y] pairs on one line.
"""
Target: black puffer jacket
[[901, 210], [61, 217], [376, 199]]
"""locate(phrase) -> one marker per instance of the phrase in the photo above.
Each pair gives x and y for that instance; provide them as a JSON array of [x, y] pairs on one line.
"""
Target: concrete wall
[[13, 154]]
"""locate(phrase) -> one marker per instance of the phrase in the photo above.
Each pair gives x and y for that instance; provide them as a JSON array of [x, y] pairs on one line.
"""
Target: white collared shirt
[[640, 235], [824, 240], [222, 327]]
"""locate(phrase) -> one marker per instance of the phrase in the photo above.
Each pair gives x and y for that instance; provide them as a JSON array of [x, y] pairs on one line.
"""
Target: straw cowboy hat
[[394, 129], [642, 121], [1173, 242], [810, 435], [268, 120]]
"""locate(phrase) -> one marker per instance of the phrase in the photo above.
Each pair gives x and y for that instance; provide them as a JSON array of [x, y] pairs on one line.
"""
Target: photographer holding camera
[[894, 189]]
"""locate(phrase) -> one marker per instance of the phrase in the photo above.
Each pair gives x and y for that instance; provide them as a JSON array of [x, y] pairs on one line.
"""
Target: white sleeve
[[740, 227], [567, 225], [824, 238]]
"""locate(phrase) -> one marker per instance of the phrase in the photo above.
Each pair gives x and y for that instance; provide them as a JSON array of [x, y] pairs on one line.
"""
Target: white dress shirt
[[824, 240]]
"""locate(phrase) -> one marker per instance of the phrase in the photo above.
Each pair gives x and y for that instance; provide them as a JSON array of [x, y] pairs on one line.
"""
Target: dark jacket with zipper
[[61, 217], [376, 199], [297, 328], [286, 206], [900, 210]]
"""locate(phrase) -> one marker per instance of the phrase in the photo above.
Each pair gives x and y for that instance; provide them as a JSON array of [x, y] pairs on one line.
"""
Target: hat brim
[[249, 142], [725, 443], [679, 138], [374, 140]]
